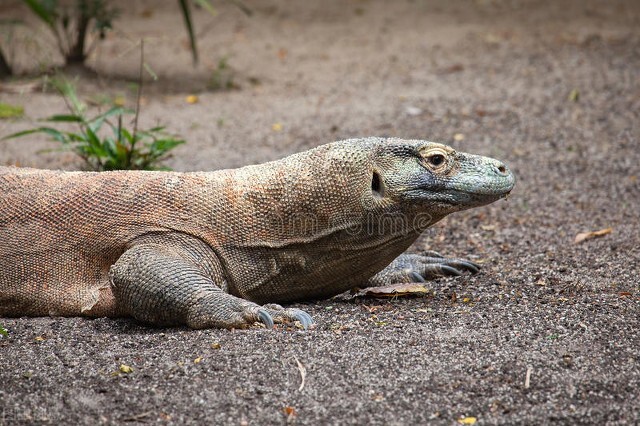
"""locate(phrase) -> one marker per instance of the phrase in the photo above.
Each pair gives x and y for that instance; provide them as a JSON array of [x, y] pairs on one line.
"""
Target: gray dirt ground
[[497, 72]]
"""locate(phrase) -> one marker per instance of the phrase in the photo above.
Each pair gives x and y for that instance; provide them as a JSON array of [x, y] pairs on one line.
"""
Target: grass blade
[[19, 134], [188, 22], [55, 134], [206, 5], [96, 123], [46, 14], [65, 118]]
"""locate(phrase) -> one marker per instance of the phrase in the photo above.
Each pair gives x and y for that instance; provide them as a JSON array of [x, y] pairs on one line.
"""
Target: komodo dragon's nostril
[[501, 169]]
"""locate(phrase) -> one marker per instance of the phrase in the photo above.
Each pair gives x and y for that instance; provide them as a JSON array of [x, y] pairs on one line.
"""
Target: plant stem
[[139, 96], [76, 53], [5, 68]]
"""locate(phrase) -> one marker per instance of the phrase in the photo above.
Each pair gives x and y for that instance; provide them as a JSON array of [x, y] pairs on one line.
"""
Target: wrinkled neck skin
[[319, 259]]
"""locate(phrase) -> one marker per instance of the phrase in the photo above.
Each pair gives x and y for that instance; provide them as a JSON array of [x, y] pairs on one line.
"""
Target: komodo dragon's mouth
[[467, 198]]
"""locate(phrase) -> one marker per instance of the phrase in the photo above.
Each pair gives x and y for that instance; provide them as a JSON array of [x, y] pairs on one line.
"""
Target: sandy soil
[[499, 73]]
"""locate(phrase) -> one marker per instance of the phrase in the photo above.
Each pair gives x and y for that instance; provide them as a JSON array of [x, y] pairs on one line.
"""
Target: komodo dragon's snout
[[219, 249]]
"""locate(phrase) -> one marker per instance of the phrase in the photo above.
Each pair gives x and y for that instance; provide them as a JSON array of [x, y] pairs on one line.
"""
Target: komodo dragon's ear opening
[[376, 185]]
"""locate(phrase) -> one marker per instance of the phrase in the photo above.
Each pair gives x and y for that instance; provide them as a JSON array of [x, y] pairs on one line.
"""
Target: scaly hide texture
[[205, 249]]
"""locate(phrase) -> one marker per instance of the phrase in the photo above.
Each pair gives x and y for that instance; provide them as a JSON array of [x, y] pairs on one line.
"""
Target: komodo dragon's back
[[62, 231], [205, 249]]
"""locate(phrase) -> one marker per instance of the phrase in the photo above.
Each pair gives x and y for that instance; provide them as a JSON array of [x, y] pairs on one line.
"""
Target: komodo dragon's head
[[434, 178]]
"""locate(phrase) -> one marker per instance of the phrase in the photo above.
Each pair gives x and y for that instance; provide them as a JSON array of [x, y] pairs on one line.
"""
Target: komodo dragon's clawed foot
[[247, 313], [236, 313], [419, 267], [282, 315], [434, 265]]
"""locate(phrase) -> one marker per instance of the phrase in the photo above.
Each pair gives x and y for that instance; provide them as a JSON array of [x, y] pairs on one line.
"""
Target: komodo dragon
[[207, 249]]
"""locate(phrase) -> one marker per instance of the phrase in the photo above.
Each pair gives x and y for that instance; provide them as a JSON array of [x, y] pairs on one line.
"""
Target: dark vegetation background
[[551, 88]]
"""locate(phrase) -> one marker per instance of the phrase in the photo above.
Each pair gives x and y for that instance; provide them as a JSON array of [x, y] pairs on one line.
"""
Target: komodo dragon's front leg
[[172, 280]]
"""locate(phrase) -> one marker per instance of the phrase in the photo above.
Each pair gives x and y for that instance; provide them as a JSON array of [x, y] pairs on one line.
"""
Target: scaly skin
[[207, 249]]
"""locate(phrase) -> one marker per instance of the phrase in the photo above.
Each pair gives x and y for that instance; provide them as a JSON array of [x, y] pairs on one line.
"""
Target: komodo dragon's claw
[[448, 267], [417, 277], [431, 253], [472, 267], [443, 267], [435, 258], [265, 317], [437, 265], [440, 269], [304, 318]]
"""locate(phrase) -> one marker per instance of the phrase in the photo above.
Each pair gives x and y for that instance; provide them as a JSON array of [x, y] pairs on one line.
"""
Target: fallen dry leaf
[[574, 95], [303, 372], [197, 360], [371, 309], [584, 236], [378, 397], [527, 377], [411, 110], [119, 101], [396, 290], [192, 99], [11, 111], [125, 369], [467, 420], [289, 411], [491, 38], [452, 69]]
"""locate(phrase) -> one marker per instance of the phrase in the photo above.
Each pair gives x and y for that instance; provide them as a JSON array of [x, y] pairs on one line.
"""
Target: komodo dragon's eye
[[436, 160]]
